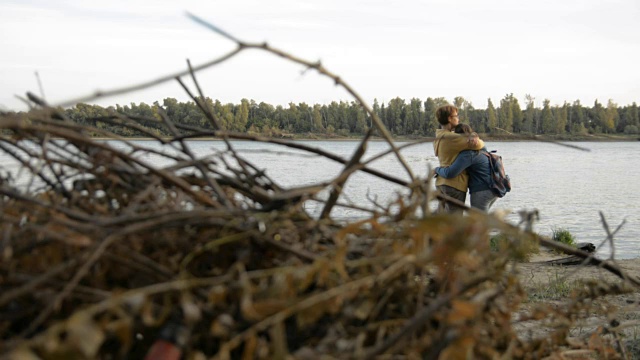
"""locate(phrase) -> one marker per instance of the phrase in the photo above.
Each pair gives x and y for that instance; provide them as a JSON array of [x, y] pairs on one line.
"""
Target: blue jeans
[[483, 199]]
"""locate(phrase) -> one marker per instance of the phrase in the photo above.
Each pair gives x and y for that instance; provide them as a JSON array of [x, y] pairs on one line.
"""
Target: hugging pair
[[462, 165]]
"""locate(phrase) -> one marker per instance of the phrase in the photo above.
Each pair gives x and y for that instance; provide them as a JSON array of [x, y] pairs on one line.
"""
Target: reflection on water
[[567, 186]]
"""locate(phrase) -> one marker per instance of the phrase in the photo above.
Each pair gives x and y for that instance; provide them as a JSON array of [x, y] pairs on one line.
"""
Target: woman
[[477, 165]]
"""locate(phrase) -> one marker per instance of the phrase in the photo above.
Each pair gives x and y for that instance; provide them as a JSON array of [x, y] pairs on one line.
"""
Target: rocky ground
[[555, 286], [539, 271]]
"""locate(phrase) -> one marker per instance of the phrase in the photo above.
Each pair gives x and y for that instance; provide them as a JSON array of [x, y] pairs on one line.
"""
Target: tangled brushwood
[[107, 255]]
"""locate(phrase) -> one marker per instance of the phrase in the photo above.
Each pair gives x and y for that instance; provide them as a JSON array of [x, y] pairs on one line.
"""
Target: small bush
[[563, 236]]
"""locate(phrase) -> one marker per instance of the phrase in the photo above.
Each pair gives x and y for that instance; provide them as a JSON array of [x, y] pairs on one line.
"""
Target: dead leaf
[[462, 311], [84, 334]]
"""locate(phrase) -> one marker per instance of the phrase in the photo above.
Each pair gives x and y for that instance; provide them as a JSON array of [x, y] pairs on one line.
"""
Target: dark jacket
[[477, 165]]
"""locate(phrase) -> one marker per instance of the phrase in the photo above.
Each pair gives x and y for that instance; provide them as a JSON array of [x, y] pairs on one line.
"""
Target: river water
[[568, 187]]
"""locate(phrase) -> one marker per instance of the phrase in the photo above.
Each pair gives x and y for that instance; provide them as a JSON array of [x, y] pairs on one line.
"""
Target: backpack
[[500, 182]]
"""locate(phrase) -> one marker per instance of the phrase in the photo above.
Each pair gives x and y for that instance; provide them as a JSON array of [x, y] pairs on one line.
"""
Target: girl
[[477, 166]]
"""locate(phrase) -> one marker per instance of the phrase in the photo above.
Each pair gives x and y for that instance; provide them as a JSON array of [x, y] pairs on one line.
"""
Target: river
[[568, 187]]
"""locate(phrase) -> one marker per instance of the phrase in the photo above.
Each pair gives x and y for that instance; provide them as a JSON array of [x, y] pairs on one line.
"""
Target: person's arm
[[459, 142], [462, 162]]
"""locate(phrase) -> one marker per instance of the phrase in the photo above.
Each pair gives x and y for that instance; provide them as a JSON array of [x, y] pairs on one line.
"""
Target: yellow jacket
[[446, 147]]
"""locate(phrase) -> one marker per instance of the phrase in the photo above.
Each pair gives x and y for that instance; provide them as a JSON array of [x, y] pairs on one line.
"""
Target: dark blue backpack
[[500, 181]]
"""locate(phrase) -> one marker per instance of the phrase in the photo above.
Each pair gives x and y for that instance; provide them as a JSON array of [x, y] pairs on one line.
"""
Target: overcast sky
[[561, 50]]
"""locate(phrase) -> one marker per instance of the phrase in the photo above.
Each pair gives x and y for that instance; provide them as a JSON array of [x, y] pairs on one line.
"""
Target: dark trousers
[[451, 192]]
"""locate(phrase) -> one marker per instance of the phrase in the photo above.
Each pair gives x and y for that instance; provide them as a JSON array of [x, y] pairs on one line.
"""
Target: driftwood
[[574, 259]]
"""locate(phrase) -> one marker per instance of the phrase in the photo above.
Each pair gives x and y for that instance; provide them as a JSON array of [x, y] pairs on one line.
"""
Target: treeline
[[403, 118]]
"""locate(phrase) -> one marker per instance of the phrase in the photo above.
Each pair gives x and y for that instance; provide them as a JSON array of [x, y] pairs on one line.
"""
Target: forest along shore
[[486, 137]]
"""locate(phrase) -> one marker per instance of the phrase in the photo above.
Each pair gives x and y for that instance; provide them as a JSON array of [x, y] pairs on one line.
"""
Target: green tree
[[598, 117], [610, 117], [464, 110], [548, 121], [440, 101], [344, 118], [317, 119], [477, 119], [376, 110], [266, 114], [228, 116], [429, 124], [174, 110], [395, 115], [577, 118], [305, 119], [492, 119], [634, 116], [505, 117], [241, 116], [561, 117], [414, 117], [359, 119], [333, 116], [529, 121], [517, 115], [459, 102]]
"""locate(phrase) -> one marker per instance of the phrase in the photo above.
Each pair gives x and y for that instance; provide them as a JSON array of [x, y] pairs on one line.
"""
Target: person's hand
[[472, 141]]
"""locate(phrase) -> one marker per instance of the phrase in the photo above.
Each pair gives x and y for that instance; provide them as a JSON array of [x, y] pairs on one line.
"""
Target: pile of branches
[[106, 254]]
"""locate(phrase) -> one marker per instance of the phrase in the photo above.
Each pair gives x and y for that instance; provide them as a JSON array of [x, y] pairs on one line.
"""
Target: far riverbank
[[484, 136]]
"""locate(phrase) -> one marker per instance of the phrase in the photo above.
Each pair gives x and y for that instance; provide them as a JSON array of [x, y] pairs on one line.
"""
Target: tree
[[598, 117], [458, 101], [228, 116], [517, 115], [395, 115], [305, 118], [548, 122], [241, 117], [477, 119], [610, 117], [317, 118], [577, 118], [440, 101], [464, 108], [529, 122], [505, 117], [170, 107], [359, 119], [429, 124], [383, 116], [376, 110], [561, 118], [344, 120], [634, 116], [413, 119], [492, 119]]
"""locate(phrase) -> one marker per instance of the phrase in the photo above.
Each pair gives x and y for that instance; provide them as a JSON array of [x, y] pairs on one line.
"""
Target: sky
[[561, 50]]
